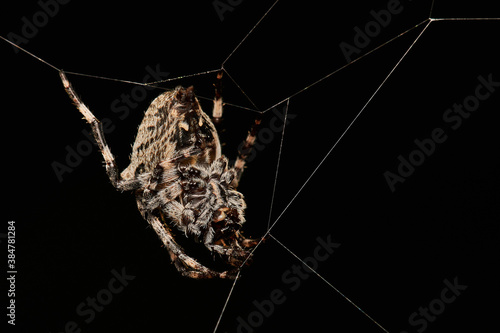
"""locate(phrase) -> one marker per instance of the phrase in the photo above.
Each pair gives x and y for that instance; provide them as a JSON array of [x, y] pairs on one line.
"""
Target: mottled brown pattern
[[159, 134]]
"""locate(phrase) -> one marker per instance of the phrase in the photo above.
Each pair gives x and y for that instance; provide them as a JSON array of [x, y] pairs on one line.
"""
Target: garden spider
[[181, 179]]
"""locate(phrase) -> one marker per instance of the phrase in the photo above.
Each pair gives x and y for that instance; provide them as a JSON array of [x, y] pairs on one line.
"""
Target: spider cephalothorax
[[181, 180], [213, 213]]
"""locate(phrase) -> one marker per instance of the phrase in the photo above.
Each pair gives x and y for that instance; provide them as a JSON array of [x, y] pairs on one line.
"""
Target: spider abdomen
[[174, 127]]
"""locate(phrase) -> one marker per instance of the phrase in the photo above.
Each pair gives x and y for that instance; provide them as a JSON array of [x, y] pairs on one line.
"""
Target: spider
[[181, 180]]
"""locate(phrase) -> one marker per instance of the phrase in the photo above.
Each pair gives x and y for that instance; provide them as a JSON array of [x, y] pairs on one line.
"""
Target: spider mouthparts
[[219, 214], [185, 95]]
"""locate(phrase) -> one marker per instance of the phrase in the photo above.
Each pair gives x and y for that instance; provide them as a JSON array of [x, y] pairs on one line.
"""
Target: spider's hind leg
[[97, 131], [249, 141], [217, 110], [239, 165]]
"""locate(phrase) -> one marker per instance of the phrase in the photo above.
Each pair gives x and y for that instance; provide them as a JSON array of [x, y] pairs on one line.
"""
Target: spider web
[[320, 177]]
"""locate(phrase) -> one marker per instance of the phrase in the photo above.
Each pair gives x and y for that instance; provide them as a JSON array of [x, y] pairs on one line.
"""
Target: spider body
[[181, 180]]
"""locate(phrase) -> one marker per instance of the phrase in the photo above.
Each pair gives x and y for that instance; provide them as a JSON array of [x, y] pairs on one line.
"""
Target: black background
[[396, 248]]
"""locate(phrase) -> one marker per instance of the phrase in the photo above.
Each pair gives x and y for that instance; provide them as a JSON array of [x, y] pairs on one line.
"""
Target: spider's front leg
[[97, 131], [186, 265]]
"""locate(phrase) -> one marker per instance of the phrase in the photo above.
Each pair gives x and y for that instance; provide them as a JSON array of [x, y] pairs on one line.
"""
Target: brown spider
[[181, 179]]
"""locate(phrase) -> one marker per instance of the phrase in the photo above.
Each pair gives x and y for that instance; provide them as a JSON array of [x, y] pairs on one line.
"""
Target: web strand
[[466, 19], [31, 54], [147, 84], [278, 164], [249, 33], [226, 302], [348, 128], [185, 76], [348, 64], [238, 86], [328, 283]]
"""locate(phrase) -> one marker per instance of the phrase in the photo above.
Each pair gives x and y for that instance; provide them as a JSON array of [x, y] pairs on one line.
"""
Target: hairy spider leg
[[217, 110], [250, 139], [186, 265], [97, 131], [239, 165]]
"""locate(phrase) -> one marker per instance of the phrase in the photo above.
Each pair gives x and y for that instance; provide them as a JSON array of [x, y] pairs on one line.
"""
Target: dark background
[[396, 248]]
